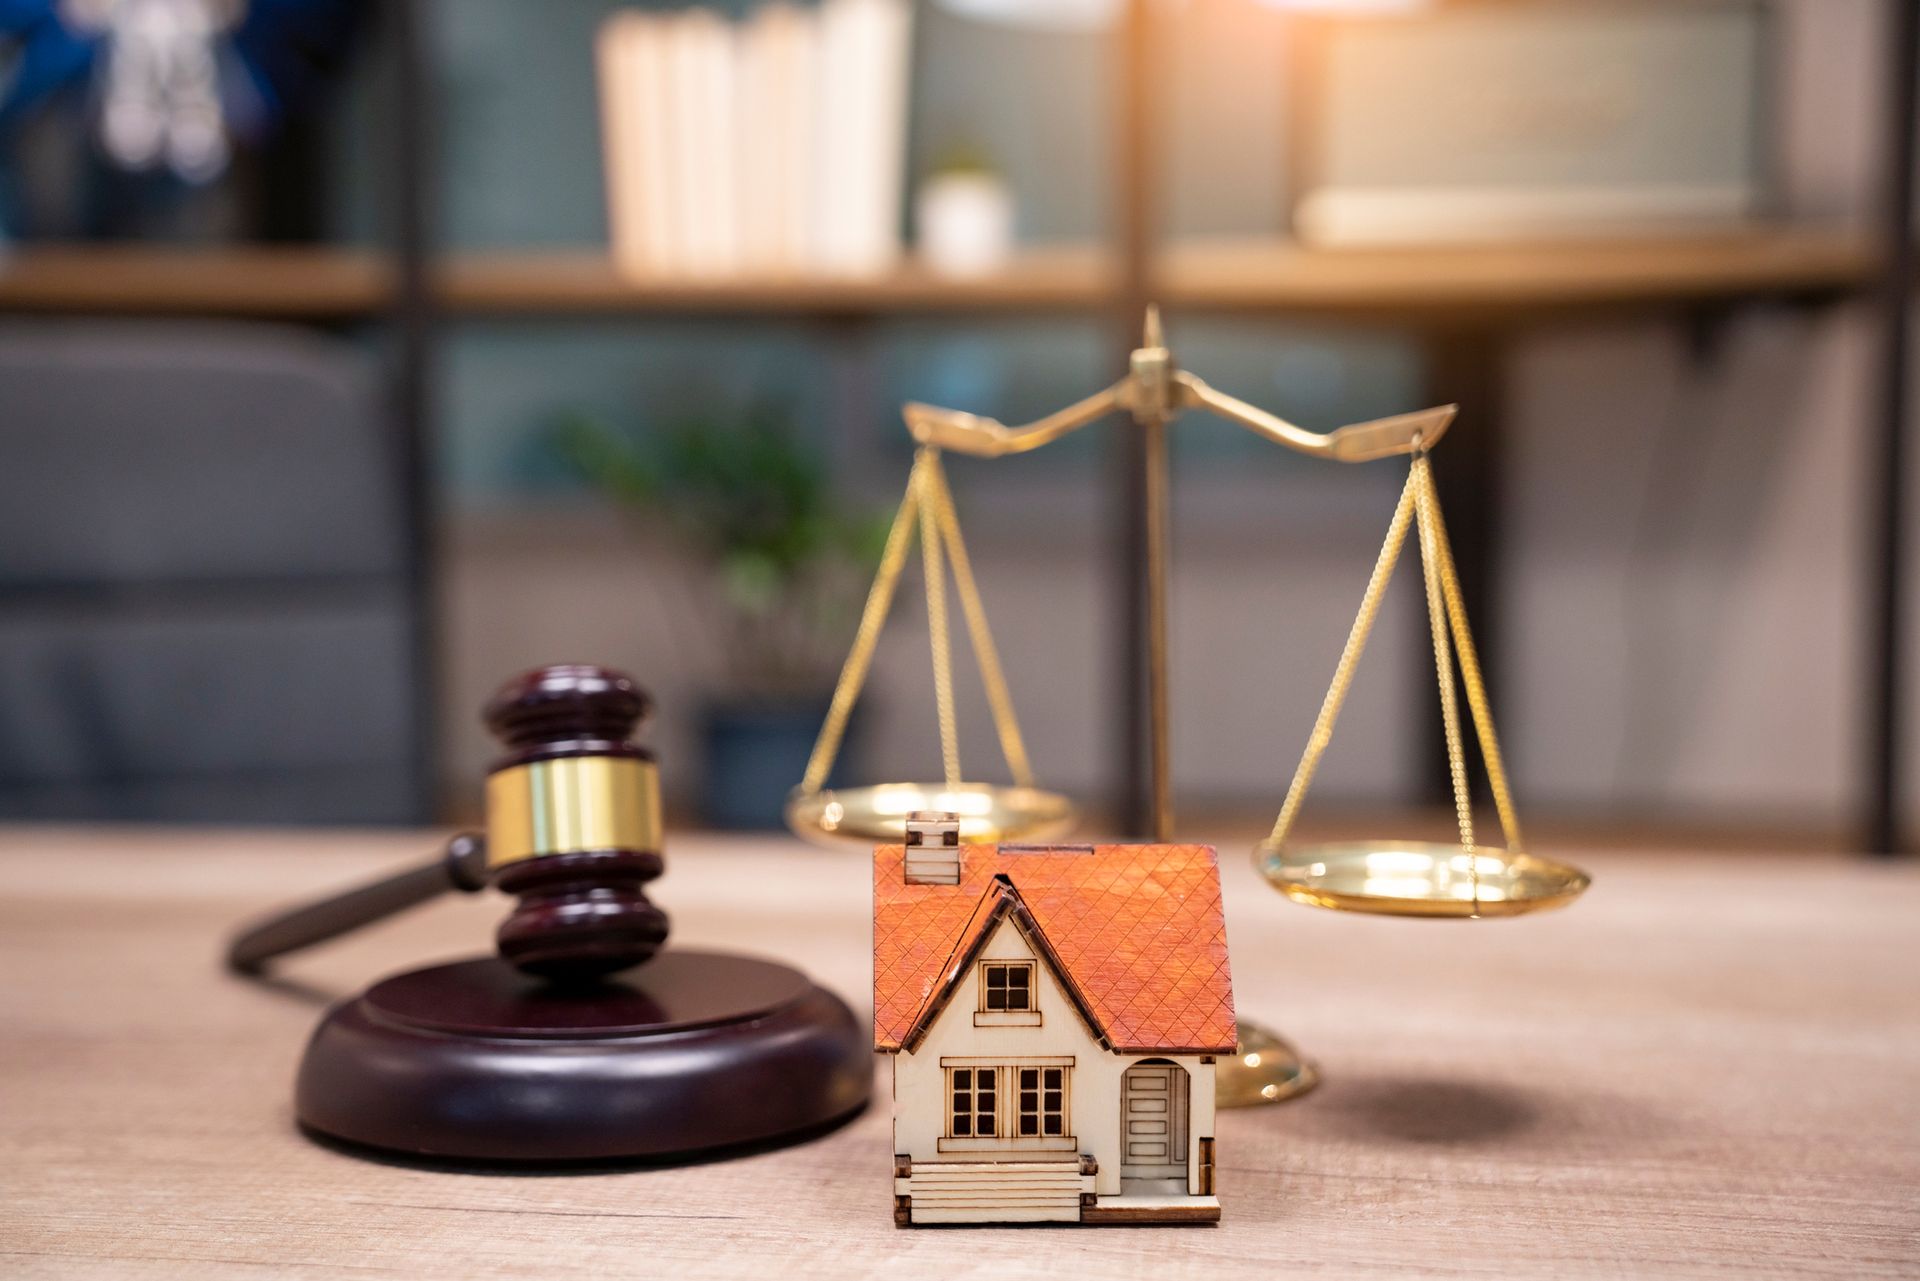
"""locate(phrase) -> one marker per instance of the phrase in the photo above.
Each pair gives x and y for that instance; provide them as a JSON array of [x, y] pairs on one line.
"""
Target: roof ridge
[[999, 898], [995, 893]]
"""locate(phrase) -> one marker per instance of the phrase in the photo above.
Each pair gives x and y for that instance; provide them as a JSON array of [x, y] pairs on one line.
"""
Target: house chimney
[[933, 848]]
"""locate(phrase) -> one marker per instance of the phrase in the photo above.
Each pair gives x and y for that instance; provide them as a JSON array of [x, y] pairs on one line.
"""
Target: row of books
[[773, 145]]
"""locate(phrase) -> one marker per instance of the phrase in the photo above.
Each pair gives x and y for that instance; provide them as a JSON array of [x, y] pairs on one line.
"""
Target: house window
[[1043, 1101], [1009, 1106], [975, 1103], [1006, 986]]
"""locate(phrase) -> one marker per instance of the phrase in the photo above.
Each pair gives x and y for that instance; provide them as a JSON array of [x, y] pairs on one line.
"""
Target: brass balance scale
[[1385, 876]]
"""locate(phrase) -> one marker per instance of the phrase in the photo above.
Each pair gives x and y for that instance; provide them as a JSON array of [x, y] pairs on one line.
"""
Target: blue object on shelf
[[753, 754], [288, 49]]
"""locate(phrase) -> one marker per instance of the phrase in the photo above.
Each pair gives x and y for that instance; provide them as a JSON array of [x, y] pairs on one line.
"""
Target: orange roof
[[1135, 931]]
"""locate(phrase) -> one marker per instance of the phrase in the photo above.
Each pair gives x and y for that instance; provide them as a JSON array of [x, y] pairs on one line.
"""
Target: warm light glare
[[1413, 874], [1048, 15], [897, 800], [1092, 15], [1399, 863], [1348, 6]]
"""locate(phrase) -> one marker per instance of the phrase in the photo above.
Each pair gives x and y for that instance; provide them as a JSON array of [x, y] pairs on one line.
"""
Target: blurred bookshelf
[[322, 283], [1462, 302]]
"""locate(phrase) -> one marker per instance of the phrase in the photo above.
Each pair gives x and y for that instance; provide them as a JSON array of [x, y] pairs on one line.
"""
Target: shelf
[[1241, 275], [294, 283], [1270, 276], [319, 284], [586, 283]]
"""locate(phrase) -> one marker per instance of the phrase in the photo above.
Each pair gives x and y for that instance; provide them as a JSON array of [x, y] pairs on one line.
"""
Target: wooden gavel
[[573, 832]]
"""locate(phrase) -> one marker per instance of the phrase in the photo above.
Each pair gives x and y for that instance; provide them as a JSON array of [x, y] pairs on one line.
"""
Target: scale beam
[[1355, 443], [1156, 390], [965, 433]]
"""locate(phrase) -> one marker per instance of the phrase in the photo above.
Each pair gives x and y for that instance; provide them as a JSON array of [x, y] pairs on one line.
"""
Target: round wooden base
[[477, 1061]]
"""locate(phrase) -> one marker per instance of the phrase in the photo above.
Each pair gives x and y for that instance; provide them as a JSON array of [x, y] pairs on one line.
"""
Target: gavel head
[[573, 823]]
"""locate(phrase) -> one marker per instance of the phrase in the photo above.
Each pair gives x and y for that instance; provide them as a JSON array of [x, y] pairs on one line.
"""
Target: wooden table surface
[[1708, 1066]]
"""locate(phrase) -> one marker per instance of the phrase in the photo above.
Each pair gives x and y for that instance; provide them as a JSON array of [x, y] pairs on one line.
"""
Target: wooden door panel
[[1153, 1120]]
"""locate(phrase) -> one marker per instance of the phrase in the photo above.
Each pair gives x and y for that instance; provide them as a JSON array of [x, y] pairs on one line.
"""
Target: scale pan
[[1417, 878], [877, 815], [1265, 1069]]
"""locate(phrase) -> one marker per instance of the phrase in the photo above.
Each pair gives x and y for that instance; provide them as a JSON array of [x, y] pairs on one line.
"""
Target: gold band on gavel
[[572, 804]]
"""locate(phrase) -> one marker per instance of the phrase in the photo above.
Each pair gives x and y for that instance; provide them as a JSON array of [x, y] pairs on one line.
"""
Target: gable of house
[[1000, 931], [1010, 1002]]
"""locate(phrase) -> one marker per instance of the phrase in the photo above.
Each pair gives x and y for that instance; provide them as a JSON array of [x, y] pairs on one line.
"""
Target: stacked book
[[776, 145]]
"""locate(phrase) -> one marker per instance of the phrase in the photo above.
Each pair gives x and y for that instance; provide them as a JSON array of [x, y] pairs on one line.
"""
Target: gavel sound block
[[558, 1049]]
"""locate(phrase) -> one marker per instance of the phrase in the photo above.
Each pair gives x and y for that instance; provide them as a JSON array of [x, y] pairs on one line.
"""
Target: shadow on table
[[291, 988], [1429, 1110], [563, 1169]]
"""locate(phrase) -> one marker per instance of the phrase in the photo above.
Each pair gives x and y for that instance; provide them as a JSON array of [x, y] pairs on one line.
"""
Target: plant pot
[[755, 752], [964, 222]]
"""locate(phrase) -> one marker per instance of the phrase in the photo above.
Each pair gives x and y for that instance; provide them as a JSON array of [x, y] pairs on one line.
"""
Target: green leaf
[[791, 558]]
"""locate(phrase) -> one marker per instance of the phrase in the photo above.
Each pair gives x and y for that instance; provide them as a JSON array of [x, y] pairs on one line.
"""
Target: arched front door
[[1153, 1121]]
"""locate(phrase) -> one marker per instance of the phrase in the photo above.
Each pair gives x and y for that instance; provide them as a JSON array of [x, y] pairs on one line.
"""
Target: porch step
[[994, 1191]]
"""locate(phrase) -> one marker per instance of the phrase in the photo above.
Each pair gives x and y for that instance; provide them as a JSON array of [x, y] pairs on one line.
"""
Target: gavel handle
[[463, 866]]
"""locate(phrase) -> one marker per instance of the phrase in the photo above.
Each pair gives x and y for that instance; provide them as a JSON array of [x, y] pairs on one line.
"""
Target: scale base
[[475, 1061], [1267, 1069]]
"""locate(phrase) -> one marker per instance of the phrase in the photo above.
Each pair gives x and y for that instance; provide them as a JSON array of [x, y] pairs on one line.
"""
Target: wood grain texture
[[1710, 1066]]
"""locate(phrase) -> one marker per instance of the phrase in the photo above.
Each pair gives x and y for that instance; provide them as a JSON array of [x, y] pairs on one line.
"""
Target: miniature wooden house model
[[1054, 1014]]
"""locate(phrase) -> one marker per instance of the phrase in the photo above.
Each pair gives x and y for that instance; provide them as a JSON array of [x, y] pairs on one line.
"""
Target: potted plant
[[963, 215], [785, 568]]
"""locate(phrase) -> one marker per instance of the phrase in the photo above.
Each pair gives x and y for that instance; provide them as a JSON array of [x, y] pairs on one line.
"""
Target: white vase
[[964, 223]]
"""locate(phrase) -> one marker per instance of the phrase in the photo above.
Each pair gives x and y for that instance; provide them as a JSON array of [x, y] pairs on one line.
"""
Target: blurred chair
[[204, 605]]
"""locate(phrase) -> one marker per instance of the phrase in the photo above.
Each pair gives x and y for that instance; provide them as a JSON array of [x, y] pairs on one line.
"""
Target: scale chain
[[928, 509], [873, 617], [1469, 659], [1419, 506], [937, 630], [1420, 477], [1349, 658], [999, 700]]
